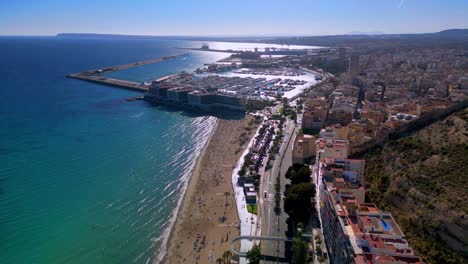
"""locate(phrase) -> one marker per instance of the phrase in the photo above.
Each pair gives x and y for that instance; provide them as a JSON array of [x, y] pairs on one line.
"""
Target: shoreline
[[209, 192], [166, 238]]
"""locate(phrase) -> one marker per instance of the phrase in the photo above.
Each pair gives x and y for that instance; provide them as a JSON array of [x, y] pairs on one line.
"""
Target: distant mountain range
[[451, 38], [448, 32], [366, 33], [454, 32], [454, 37]]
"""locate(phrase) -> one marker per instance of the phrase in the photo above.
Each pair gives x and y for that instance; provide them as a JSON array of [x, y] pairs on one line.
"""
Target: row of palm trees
[[226, 258]]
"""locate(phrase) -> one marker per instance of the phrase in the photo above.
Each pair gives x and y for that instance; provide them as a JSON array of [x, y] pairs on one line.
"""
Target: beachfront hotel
[[355, 230]]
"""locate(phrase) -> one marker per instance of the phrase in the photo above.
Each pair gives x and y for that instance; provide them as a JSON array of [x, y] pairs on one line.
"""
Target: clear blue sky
[[223, 17]]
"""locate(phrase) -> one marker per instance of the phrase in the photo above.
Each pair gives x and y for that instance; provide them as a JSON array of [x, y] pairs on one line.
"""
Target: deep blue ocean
[[85, 176]]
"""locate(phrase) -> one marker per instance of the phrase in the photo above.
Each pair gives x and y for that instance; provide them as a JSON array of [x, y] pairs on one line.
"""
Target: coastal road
[[274, 224]]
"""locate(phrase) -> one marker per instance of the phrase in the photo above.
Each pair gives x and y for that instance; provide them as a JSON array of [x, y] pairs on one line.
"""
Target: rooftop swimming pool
[[386, 226]]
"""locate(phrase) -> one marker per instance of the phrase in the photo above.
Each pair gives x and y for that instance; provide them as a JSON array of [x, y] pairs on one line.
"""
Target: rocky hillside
[[423, 180]]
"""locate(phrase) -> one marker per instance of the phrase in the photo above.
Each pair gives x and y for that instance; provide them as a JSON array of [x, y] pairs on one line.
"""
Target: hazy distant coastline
[[310, 40]]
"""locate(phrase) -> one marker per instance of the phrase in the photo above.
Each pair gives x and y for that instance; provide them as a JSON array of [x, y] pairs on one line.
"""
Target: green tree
[[303, 175], [227, 255], [300, 132], [277, 191], [281, 110], [254, 255], [248, 160], [298, 173], [293, 116], [298, 201], [300, 251], [291, 174], [242, 171]]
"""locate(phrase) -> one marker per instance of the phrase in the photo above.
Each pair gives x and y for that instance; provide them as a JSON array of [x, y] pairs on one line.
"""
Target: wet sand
[[208, 220]]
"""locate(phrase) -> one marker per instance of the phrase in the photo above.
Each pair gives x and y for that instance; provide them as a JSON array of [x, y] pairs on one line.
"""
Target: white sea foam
[[137, 115], [204, 131], [170, 184]]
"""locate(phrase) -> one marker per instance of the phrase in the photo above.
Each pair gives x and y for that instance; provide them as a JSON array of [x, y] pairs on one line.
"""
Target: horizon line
[[355, 33]]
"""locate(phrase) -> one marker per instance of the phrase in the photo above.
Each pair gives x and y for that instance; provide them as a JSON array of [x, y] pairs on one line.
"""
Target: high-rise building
[[304, 147], [342, 54], [315, 113], [353, 70], [342, 109], [355, 231]]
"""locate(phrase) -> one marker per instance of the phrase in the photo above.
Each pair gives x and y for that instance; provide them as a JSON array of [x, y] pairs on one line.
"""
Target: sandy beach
[[207, 219]]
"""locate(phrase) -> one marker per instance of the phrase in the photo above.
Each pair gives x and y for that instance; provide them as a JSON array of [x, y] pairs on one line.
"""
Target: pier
[[134, 86], [96, 76]]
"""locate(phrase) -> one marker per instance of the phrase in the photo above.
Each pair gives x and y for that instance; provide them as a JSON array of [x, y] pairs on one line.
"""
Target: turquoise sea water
[[86, 177]]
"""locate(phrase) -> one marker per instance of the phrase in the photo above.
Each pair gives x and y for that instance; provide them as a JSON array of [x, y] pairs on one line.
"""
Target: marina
[[235, 86], [267, 51]]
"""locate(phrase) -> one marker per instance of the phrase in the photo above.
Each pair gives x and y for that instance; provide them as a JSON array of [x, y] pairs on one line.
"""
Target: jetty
[[134, 86], [96, 76]]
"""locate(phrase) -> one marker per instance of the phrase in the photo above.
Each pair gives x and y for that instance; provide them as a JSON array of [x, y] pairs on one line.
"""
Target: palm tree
[[220, 261], [226, 194], [254, 255], [227, 256]]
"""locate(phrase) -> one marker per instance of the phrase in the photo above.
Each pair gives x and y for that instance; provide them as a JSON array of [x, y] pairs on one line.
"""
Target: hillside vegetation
[[422, 180]]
